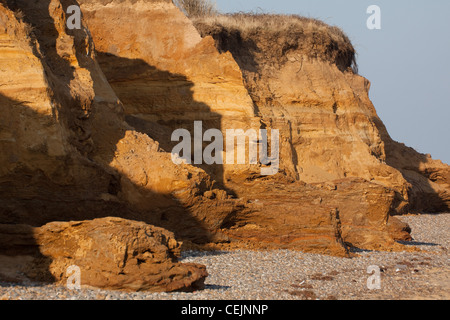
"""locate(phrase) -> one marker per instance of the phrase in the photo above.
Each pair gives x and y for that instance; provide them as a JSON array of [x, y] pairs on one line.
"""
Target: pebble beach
[[292, 275]]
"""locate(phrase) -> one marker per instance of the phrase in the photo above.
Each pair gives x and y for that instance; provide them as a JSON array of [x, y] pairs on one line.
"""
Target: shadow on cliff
[[29, 196], [16, 234], [158, 102], [36, 196], [424, 179], [422, 196]]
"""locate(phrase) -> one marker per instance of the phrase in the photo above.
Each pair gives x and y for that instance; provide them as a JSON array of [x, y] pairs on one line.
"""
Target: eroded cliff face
[[300, 77], [67, 153], [164, 72], [166, 75], [86, 133], [65, 136]]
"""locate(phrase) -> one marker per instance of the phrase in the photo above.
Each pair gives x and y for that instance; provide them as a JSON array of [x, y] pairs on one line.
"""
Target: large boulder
[[109, 253]]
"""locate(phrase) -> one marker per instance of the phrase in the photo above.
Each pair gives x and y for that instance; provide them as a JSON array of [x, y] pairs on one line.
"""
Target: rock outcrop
[[66, 152], [111, 253], [141, 70], [301, 76], [166, 75], [325, 217], [85, 133]]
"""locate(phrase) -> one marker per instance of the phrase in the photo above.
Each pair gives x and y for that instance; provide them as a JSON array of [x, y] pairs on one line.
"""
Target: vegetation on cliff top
[[197, 8], [276, 35], [273, 34]]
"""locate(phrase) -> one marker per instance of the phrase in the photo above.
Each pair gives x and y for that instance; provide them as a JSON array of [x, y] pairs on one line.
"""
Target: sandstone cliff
[[162, 74], [87, 118], [67, 153], [165, 74], [302, 77], [65, 139]]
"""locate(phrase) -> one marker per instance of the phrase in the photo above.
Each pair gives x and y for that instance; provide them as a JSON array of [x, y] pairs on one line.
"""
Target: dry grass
[[248, 22], [17, 23], [276, 34], [197, 8]]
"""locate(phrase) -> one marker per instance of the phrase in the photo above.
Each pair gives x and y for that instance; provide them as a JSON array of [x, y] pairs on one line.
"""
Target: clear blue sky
[[407, 61]]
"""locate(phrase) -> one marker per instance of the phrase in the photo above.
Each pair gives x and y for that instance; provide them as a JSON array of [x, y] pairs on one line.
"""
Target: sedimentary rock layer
[[67, 153], [166, 75], [300, 76], [148, 65]]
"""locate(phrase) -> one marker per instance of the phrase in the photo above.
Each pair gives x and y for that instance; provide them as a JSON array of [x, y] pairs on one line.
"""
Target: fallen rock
[[354, 213], [111, 253]]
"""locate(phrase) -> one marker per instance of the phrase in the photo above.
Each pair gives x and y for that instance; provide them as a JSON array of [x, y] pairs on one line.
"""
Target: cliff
[[87, 119], [150, 64], [166, 75], [67, 153], [302, 76]]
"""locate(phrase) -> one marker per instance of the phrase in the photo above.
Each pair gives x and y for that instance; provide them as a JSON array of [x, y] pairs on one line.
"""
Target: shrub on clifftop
[[197, 8]]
